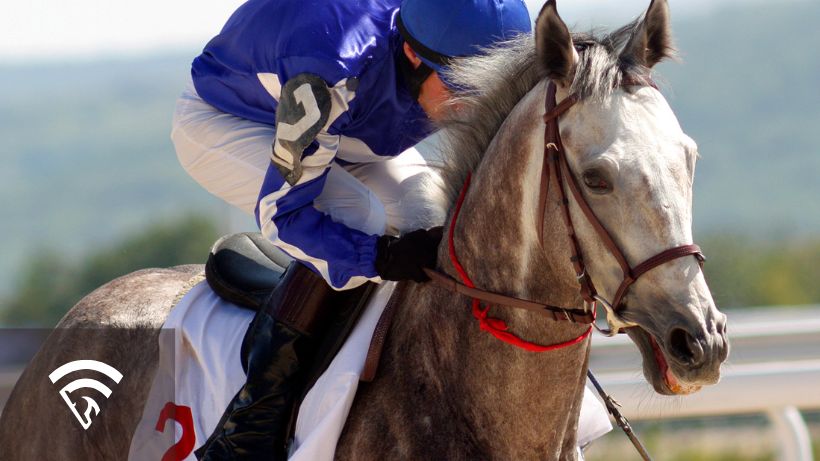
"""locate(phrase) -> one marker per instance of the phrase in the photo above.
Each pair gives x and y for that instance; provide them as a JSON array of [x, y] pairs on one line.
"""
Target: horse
[[446, 388]]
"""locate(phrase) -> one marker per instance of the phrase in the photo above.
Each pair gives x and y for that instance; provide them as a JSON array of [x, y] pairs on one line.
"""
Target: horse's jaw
[[656, 367], [681, 334]]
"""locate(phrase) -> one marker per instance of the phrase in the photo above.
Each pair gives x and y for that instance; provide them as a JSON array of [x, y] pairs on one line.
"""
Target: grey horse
[[445, 388]]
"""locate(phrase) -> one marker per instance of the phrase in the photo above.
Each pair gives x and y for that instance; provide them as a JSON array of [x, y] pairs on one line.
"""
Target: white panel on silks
[[198, 375]]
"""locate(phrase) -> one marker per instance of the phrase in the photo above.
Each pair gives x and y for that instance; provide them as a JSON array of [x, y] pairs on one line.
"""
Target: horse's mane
[[492, 83]]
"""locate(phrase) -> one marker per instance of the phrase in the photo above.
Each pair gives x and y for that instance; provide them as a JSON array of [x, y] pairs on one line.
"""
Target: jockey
[[297, 113]]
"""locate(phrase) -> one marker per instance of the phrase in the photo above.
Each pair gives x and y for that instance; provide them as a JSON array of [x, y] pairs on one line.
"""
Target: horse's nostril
[[723, 328], [685, 347]]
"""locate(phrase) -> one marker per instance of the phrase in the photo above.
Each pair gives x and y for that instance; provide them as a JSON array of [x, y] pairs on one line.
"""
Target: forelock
[[493, 82]]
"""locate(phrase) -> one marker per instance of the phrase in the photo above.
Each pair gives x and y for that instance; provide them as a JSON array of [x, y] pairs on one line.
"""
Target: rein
[[498, 327], [555, 169]]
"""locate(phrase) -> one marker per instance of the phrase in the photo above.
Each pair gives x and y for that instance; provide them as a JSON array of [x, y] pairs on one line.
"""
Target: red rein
[[494, 326]]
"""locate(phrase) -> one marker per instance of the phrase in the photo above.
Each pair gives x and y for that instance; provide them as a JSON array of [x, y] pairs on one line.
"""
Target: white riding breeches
[[229, 156]]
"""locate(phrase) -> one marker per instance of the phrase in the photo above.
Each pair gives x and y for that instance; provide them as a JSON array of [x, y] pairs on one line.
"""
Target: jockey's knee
[[351, 203], [226, 155]]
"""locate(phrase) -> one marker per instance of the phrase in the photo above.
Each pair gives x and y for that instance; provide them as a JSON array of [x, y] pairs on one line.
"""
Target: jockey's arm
[[302, 154], [343, 256], [310, 118]]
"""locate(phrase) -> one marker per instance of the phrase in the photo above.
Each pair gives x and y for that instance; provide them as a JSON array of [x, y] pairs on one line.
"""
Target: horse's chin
[[656, 368]]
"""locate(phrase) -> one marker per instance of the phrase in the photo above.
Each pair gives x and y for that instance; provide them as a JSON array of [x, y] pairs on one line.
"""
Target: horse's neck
[[496, 236], [524, 398]]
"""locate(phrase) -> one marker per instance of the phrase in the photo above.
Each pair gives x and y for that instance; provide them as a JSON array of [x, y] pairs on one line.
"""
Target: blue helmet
[[438, 30]]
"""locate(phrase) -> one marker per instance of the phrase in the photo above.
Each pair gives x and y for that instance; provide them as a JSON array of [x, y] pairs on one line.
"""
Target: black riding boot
[[276, 350]]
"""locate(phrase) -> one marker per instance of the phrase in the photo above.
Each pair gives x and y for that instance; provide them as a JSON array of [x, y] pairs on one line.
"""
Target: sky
[[45, 30]]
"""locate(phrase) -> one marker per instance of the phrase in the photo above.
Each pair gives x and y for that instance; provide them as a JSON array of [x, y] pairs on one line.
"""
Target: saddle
[[246, 269]]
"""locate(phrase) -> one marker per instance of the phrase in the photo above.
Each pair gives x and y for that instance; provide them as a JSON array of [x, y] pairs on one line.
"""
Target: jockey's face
[[434, 97], [434, 94]]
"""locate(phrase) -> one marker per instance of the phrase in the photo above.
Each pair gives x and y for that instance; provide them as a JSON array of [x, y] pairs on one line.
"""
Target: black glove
[[404, 258]]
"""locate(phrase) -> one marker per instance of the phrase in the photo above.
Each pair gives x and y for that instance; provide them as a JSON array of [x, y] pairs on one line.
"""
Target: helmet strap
[[414, 77]]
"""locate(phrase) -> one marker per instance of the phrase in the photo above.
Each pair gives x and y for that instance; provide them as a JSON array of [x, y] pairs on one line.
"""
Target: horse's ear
[[553, 45], [652, 40]]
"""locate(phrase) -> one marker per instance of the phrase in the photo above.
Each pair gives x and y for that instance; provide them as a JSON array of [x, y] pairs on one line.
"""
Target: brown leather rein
[[555, 169]]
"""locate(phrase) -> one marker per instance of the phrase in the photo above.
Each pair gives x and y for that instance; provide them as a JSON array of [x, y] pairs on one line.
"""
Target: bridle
[[556, 167], [556, 170]]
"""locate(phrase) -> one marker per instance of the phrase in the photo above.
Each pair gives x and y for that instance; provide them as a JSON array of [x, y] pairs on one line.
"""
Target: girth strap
[[374, 352]]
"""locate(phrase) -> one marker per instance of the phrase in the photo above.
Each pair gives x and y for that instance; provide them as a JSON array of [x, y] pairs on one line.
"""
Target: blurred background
[[90, 188]]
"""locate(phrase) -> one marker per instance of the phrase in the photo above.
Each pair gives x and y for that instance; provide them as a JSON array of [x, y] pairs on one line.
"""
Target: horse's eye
[[596, 182]]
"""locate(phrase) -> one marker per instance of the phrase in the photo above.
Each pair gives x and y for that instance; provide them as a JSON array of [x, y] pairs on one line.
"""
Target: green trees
[[741, 272], [49, 284], [746, 272]]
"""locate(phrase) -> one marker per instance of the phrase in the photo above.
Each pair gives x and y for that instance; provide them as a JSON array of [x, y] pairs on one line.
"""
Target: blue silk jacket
[[354, 47]]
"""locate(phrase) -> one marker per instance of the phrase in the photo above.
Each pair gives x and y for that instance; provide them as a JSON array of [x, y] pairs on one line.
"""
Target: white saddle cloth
[[200, 371]]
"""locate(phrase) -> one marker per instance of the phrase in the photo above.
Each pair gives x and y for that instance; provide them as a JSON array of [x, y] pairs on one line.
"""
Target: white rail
[[773, 368]]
